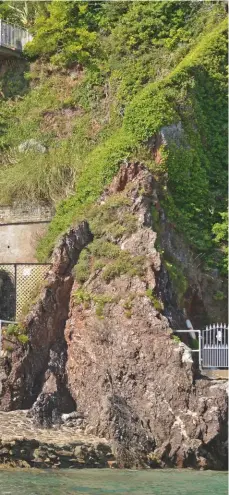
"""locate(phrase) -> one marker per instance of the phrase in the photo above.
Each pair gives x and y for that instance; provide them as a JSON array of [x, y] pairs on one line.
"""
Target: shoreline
[[24, 445]]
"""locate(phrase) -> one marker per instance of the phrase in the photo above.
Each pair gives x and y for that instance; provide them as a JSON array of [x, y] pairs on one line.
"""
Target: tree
[[66, 32], [21, 13]]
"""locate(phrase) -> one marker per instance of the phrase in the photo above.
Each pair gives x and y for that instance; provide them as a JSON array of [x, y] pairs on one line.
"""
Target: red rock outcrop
[[131, 381], [136, 386], [43, 361]]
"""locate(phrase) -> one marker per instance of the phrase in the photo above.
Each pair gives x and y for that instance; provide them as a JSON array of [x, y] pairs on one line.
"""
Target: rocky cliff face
[[103, 343], [44, 359]]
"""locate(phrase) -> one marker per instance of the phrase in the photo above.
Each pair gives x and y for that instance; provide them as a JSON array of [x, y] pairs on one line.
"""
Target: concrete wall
[[25, 213], [18, 242], [20, 229]]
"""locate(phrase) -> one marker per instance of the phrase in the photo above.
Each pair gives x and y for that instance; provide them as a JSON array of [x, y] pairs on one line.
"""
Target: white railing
[[13, 37], [212, 345]]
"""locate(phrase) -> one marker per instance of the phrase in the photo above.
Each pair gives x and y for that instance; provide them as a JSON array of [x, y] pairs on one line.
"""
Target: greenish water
[[108, 482]]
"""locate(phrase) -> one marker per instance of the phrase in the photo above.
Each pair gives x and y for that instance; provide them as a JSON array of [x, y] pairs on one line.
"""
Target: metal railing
[[212, 346], [13, 37]]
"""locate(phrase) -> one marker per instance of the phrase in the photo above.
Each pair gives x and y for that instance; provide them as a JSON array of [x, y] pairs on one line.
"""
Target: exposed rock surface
[[22, 444], [44, 359], [31, 145], [135, 384], [128, 379]]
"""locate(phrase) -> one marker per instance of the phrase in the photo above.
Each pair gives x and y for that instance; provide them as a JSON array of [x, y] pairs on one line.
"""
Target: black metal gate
[[19, 285]]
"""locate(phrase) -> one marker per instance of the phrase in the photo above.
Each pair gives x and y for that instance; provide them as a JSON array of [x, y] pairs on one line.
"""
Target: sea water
[[112, 482]]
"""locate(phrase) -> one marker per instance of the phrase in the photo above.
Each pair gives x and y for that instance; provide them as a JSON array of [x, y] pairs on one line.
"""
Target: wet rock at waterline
[[23, 444]]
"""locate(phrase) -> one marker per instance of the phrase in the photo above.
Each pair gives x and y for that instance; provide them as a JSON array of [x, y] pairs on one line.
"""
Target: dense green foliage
[[65, 32], [109, 222], [21, 13], [126, 69], [17, 332]]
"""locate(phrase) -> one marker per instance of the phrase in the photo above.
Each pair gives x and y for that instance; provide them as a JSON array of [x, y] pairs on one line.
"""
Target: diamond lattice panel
[[29, 281]]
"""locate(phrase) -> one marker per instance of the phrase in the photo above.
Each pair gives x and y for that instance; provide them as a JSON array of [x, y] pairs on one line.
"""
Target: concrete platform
[[6, 53], [219, 374]]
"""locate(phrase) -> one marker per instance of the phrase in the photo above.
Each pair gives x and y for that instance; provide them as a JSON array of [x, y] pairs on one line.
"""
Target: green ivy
[[146, 65]]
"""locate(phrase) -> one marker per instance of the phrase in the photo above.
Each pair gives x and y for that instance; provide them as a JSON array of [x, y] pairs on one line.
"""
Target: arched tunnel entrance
[[7, 296]]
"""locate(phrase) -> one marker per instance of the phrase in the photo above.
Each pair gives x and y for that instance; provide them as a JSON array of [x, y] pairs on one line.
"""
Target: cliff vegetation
[[116, 116], [101, 81]]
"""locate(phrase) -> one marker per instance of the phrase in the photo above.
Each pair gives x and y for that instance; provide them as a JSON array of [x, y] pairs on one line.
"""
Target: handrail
[[13, 37], [199, 339]]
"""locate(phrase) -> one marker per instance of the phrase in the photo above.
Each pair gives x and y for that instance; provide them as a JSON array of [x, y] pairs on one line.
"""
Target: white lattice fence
[[19, 286], [29, 281]]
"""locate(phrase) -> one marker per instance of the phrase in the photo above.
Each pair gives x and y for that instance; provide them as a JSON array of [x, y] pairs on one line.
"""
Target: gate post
[[200, 349], [15, 283]]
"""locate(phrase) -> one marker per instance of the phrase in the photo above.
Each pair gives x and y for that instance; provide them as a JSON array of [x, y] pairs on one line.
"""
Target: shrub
[[176, 339], [18, 331], [111, 219], [104, 249], [158, 305], [81, 296], [125, 263], [64, 33], [219, 296], [82, 268]]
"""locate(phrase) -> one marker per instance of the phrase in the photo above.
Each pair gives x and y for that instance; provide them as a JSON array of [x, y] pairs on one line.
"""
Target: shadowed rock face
[[136, 387], [131, 382], [7, 296], [44, 359]]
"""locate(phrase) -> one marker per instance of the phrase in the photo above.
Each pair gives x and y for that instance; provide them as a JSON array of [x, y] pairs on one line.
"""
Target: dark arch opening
[[195, 309], [7, 296]]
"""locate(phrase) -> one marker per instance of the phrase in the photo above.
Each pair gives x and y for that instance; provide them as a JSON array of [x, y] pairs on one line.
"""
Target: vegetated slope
[[107, 79]]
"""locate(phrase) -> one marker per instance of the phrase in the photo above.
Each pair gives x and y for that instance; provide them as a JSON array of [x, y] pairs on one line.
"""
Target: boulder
[[31, 145]]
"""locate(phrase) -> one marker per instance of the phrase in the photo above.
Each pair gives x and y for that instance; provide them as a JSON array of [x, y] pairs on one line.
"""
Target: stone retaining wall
[[25, 213]]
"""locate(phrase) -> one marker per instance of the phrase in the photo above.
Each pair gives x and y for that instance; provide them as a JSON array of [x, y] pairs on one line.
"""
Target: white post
[[190, 327], [200, 349], [0, 32]]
